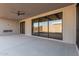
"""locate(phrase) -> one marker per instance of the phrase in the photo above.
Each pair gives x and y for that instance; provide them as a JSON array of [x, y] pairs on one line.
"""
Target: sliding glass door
[[43, 27], [55, 26], [35, 27], [49, 26]]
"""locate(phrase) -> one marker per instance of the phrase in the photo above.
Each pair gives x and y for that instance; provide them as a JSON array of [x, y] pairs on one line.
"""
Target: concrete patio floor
[[21, 45]]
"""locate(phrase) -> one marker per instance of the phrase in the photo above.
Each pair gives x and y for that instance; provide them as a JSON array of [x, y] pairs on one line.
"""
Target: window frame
[[47, 17]]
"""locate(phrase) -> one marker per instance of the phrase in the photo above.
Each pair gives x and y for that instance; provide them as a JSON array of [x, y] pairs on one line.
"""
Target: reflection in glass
[[35, 28], [43, 28], [48, 26], [55, 26]]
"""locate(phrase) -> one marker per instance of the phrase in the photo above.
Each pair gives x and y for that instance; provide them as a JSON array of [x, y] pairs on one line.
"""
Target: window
[[55, 26], [48, 26], [43, 27], [35, 27]]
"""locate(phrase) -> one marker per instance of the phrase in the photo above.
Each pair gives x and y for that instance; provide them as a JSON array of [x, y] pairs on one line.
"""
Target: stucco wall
[[6, 24], [69, 23]]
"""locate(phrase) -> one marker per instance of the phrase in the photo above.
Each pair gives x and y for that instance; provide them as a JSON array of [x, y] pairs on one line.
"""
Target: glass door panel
[[35, 27], [43, 27], [55, 26]]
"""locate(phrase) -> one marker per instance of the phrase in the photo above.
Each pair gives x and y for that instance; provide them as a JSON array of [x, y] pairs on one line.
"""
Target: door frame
[[22, 27], [77, 18]]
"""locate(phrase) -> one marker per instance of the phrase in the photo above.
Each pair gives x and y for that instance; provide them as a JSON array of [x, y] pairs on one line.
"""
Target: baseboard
[[50, 39]]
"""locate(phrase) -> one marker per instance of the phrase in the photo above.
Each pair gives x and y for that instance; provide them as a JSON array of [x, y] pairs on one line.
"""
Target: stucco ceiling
[[8, 10]]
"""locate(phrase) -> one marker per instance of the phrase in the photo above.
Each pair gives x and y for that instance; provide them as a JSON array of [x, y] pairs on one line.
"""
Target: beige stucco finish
[[6, 24], [69, 23]]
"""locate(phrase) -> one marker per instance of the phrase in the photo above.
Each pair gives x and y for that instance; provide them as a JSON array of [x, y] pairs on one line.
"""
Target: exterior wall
[[28, 27], [9, 25], [69, 23]]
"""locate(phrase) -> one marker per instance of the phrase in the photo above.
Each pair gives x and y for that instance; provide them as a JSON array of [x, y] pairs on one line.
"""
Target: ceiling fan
[[19, 13]]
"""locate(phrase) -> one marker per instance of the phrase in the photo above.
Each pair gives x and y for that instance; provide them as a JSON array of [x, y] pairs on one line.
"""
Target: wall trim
[[49, 39]]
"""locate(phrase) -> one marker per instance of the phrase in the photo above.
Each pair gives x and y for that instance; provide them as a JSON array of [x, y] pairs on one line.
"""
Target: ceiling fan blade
[[18, 12]]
